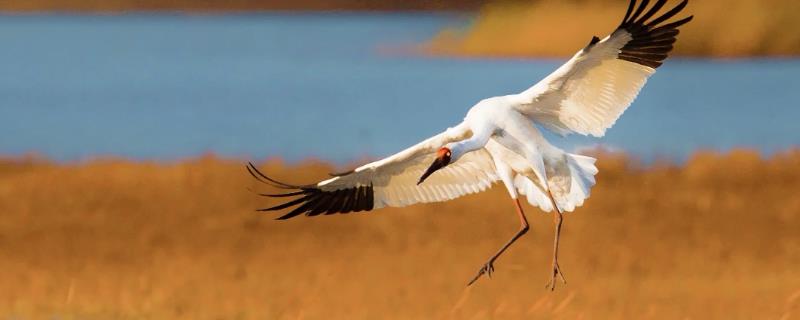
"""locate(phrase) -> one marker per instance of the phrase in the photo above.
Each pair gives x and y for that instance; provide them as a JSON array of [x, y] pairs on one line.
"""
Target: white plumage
[[499, 141], [394, 179]]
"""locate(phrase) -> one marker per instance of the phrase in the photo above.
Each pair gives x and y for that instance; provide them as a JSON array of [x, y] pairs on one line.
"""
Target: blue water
[[330, 86]]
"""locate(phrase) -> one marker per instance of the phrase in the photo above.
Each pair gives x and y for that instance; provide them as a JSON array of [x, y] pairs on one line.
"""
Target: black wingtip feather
[[672, 26], [349, 202], [669, 14], [652, 50], [631, 4], [650, 42], [649, 63], [269, 181], [287, 204], [321, 206], [657, 6], [261, 180], [639, 11], [313, 201], [303, 208], [282, 195], [337, 202]]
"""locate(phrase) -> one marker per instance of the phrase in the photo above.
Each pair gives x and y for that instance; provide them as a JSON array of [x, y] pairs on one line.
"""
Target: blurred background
[[125, 127]]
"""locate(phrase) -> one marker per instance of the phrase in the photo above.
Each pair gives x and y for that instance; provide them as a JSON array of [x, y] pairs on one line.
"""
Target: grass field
[[717, 238], [558, 28]]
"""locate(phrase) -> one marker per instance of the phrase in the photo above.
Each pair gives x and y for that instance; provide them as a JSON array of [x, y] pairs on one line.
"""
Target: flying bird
[[498, 139]]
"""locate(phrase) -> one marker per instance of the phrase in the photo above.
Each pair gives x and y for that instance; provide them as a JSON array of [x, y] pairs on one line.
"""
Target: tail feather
[[534, 193], [582, 172]]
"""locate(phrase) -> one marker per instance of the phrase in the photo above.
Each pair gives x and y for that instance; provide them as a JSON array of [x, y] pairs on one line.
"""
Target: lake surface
[[329, 86]]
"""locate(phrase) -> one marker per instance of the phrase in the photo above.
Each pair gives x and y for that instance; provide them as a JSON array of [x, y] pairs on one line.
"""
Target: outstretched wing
[[391, 182], [588, 93]]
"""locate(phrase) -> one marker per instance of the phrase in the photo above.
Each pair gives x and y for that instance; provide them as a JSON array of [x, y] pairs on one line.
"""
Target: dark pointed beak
[[437, 164]]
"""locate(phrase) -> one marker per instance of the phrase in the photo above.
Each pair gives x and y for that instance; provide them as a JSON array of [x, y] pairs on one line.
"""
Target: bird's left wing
[[588, 93], [390, 182]]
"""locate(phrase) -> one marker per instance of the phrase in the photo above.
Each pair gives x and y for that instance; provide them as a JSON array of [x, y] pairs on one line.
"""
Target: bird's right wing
[[390, 182]]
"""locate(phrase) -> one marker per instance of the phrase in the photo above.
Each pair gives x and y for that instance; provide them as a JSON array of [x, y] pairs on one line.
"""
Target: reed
[[554, 28], [715, 238]]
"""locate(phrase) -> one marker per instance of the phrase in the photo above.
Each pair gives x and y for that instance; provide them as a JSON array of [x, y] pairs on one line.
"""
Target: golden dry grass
[[556, 28], [717, 238]]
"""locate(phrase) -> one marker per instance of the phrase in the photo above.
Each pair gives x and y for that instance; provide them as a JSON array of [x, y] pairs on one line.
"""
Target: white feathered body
[[525, 161]]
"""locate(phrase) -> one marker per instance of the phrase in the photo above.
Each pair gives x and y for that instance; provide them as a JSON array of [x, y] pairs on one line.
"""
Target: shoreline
[[472, 41], [33, 158]]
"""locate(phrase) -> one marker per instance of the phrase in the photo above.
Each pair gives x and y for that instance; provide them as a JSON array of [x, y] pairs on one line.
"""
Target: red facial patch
[[443, 153]]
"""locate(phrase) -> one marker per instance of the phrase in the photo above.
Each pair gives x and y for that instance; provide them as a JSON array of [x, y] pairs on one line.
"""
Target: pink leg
[[488, 268], [557, 219]]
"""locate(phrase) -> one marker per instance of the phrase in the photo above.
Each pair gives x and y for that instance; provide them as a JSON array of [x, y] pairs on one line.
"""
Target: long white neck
[[479, 138]]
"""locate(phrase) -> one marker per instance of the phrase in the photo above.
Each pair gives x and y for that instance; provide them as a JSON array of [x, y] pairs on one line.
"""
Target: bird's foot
[[487, 269], [556, 273]]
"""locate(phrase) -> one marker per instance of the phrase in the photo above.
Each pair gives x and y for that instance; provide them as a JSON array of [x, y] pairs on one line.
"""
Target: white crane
[[498, 139]]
